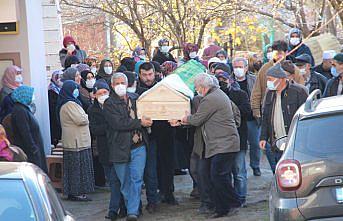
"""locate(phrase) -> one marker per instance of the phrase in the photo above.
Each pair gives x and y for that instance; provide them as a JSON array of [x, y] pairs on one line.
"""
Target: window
[[320, 137], [15, 204]]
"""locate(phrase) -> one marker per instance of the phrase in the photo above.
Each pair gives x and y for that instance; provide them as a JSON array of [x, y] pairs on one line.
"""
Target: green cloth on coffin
[[188, 71]]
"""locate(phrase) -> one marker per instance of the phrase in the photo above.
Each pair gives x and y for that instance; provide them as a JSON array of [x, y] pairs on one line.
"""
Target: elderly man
[[281, 103], [325, 67], [313, 80], [221, 142], [127, 141]]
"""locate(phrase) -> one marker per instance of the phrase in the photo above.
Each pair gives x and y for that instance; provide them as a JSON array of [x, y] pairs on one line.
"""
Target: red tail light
[[288, 174]]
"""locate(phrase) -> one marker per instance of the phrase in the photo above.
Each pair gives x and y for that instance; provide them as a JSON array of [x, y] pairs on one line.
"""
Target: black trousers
[[165, 156]]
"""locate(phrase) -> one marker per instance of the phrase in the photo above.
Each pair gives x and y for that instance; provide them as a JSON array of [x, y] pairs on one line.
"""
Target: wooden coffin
[[322, 43], [162, 103]]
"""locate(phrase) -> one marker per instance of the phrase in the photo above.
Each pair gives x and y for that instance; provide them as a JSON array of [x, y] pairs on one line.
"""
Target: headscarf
[[82, 67], [162, 41], [67, 39], [136, 53], [84, 79], [188, 48], [129, 63], [101, 72], [69, 74], [234, 85], [8, 79], [54, 86], [295, 30], [265, 51], [23, 95], [66, 95], [71, 59], [168, 67]]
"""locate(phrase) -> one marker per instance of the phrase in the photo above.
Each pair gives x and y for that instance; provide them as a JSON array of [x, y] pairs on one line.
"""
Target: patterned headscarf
[[188, 48], [82, 67], [8, 79], [54, 81], [168, 67], [23, 95]]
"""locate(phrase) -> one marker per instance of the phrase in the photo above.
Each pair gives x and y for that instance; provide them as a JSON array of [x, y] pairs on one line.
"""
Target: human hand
[[174, 123], [184, 119], [146, 121], [263, 144]]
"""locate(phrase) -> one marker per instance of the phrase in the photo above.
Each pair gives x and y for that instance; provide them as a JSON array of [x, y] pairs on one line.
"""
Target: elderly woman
[[11, 80], [78, 178], [53, 91], [27, 134]]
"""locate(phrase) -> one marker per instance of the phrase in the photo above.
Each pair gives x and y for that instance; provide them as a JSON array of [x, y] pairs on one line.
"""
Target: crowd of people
[[240, 105]]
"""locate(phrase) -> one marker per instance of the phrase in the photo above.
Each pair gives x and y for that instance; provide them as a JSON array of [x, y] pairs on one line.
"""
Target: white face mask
[[270, 55], [120, 90], [93, 70], [102, 99], [90, 83], [302, 71], [164, 49], [73, 65], [19, 79], [108, 70], [131, 89], [33, 98], [71, 47], [239, 72], [192, 54], [271, 85], [294, 41]]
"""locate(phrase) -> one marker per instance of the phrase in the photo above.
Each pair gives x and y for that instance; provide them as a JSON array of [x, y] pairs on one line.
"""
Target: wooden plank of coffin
[[163, 110]]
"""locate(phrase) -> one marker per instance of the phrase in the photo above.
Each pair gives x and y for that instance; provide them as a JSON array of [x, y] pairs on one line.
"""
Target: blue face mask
[[334, 71], [76, 93]]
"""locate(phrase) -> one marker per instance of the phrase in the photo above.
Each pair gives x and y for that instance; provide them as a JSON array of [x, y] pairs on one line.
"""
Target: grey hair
[[215, 80], [204, 80], [117, 75], [238, 59]]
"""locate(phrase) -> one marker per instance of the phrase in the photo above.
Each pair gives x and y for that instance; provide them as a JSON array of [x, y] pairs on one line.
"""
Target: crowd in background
[[242, 104]]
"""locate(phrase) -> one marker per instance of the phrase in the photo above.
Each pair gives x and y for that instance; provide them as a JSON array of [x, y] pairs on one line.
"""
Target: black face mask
[[223, 85]]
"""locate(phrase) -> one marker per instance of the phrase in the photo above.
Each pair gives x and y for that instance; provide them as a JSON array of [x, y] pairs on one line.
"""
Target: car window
[[55, 209], [15, 204], [320, 137]]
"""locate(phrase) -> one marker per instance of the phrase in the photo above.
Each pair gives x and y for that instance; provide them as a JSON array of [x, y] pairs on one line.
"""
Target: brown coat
[[259, 90]]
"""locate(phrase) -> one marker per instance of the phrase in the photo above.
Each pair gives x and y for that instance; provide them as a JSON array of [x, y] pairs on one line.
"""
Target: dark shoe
[[112, 216], [170, 200], [122, 213], [195, 193], [217, 215], [257, 172], [233, 211], [82, 198], [151, 208], [131, 218], [205, 210], [178, 172]]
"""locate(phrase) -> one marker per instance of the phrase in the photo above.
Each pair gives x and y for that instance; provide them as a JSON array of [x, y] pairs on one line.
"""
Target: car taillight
[[288, 174]]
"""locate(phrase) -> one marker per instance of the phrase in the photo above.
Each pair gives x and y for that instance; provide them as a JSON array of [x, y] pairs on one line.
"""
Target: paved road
[[257, 210]]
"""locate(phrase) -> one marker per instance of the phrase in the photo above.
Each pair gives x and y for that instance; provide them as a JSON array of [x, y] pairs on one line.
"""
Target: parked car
[[308, 182], [27, 195]]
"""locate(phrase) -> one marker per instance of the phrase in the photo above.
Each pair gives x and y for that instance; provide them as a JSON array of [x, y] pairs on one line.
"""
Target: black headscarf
[[84, 79], [72, 59], [66, 95], [101, 73]]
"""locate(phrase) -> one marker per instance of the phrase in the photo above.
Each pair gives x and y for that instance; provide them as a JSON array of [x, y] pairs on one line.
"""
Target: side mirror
[[281, 143]]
